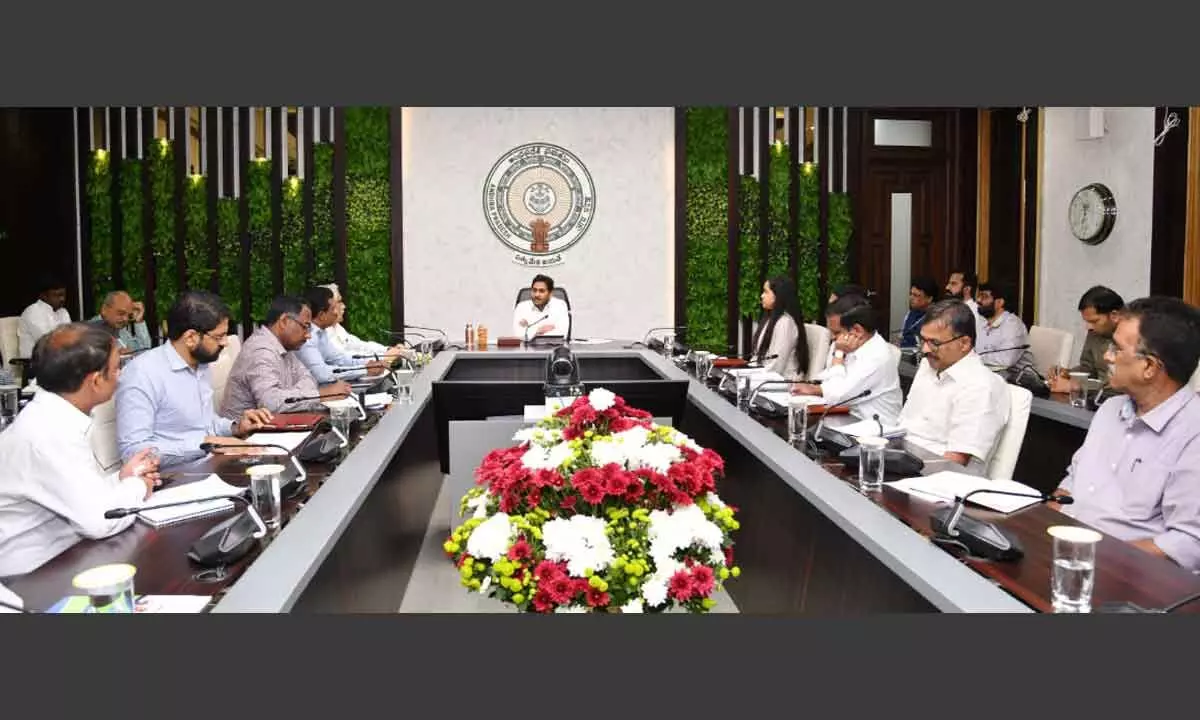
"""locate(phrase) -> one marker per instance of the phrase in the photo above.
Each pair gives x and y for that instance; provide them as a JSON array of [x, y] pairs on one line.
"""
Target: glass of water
[[1078, 396], [797, 421], [342, 416], [1074, 572], [9, 398], [404, 380], [264, 487], [871, 450], [109, 588], [743, 392]]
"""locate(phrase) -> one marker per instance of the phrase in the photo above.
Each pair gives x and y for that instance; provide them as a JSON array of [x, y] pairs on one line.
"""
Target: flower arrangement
[[597, 509]]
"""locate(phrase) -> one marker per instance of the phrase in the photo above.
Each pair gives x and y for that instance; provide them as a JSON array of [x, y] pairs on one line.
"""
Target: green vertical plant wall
[[195, 224], [323, 245], [707, 226], [229, 244], [99, 189], [162, 202], [258, 195], [291, 238], [133, 238], [368, 222]]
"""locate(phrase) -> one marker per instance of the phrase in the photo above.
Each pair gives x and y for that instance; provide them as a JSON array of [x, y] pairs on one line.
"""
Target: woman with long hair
[[780, 335]]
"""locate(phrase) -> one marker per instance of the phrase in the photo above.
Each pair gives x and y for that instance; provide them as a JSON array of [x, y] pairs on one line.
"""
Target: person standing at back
[[780, 343], [53, 492], [43, 315], [542, 313]]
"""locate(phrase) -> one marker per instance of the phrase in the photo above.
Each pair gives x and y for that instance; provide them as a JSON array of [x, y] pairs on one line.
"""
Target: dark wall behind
[[37, 204]]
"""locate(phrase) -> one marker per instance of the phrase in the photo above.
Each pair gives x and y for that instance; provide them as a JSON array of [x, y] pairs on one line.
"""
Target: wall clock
[[1092, 213]]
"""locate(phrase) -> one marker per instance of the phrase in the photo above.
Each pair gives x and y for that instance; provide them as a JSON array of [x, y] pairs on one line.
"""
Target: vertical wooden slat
[[766, 123], [1030, 163], [1191, 264], [748, 141], [228, 142], [681, 192], [213, 150], [824, 179], [279, 167], [983, 219], [338, 192], [396, 180], [795, 122], [116, 169], [83, 138], [149, 263], [735, 147], [182, 143], [838, 157], [245, 153], [306, 150]]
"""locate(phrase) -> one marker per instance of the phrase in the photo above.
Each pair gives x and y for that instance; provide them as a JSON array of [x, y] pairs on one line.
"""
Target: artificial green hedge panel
[[133, 239], [323, 245], [291, 238], [162, 203], [99, 189], [258, 196], [707, 227], [195, 226], [368, 222]]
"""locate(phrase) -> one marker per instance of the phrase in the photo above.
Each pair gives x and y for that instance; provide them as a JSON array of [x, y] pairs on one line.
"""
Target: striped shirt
[[265, 375]]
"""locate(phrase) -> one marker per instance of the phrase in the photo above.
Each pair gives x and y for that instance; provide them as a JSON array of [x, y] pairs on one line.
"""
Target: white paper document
[[210, 487], [289, 440], [869, 428], [947, 486]]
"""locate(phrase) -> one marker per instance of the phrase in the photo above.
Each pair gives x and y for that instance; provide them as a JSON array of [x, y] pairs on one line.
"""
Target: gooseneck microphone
[[979, 537], [644, 342], [215, 448], [816, 436], [1026, 346], [226, 542], [878, 422], [531, 325], [322, 396], [765, 383], [116, 513]]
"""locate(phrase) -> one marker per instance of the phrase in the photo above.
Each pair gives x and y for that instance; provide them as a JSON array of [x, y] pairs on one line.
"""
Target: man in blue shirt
[[920, 297], [320, 354], [123, 317], [165, 395]]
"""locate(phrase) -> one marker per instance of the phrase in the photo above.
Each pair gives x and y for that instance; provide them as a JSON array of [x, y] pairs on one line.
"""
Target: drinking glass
[[1074, 573], [9, 398], [265, 481], [1078, 396], [109, 588], [871, 451], [668, 348], [704, 361], [798, 421], [743, 392], [1092, 392], [404, 380], [342, 416]]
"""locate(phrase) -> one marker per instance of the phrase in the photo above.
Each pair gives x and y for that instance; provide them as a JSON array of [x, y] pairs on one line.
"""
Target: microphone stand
[[646, 338], [301, 476], [979, 537], [225, 543], [531, 325], [814, 442], [764, 383]]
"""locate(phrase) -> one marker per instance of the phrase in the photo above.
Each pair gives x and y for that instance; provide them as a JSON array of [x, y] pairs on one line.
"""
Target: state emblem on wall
[[539, 201]]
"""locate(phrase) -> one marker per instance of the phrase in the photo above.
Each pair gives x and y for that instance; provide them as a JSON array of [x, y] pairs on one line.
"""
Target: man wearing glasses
[[956, 407], [268, 371], [165, 395], [1137, 475]]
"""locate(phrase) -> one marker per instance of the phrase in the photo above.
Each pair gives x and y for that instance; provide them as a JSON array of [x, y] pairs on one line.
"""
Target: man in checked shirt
[[1137, 475]]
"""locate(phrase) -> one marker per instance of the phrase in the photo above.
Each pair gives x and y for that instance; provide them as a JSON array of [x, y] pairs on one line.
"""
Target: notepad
[[209, 487], [289, 440], [947, 486], [870, 428]]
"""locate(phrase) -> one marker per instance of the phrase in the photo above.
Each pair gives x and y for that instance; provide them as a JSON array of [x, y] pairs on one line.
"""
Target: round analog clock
[[1092, 213]]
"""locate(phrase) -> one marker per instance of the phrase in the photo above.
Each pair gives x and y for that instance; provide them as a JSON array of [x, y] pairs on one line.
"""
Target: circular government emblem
[[539, 201]]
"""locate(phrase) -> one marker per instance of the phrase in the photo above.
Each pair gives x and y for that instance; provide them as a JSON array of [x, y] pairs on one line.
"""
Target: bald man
[[123, 317]]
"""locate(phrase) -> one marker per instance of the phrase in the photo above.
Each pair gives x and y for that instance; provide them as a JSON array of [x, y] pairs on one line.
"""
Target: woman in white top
[[780, 335]]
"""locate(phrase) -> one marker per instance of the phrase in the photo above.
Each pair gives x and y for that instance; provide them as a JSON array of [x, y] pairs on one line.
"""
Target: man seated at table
[[956, 407], [1100, 308], [123, 317], [351, 344], [1137, 475], [43, 315], [52, 491], [268, 373], [165, 397], [920, 296], [319, 353], [542, 314], [859, 360], [1003, 332]]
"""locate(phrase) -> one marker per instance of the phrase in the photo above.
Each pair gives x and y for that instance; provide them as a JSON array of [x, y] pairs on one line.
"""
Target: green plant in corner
[[322, 180], [99, 194], [162, 203], [229, 244], [291, 238], [258, 196], [133, 238], [707, 224], [195, 223], [368, 221]]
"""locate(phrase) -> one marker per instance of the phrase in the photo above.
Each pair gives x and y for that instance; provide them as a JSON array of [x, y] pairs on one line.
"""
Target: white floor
[[435, 586]]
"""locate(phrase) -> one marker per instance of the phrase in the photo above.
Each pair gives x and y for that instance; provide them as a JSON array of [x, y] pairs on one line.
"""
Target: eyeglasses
[[219, 338], [306, 325], [937, 344], [1115, 351]]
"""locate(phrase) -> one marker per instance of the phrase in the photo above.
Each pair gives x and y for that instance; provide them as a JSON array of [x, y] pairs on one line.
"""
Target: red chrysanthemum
[[584, 415], [561, 589], [521, 551], [542, 601], [592, 493], [634, 491], [568, 502], [680, 587], [547, 571], [729, 556], [702, 580], [595, 598]]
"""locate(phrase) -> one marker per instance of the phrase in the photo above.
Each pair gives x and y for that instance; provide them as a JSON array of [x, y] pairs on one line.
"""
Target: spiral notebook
[[208, 487]]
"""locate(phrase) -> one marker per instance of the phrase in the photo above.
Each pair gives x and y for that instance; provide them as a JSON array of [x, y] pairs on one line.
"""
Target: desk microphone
[[301, 476], [646, 338], [225, 543], [532, 324], [878, 422], [340, 370], [996, 350], [981, 538], [764, 383], [322, 396], [1128, 607], [816, 437]]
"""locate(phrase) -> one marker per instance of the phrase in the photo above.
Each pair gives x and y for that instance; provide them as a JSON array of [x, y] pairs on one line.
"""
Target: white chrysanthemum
[[715, 500], [654, 590], [525, 436], [558, 455], [633, 606], [656, 456], [682, 440], [685, 526], [571, 609], [491, 538], [580, 541], [607, 451], [479, 505], [601, 399], [551, 458], [632, 439]]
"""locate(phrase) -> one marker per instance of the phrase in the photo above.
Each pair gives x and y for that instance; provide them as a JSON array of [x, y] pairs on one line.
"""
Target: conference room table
[[810, 543]]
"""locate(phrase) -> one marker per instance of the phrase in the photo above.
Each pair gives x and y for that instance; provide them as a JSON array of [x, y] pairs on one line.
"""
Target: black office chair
[[527, 294]]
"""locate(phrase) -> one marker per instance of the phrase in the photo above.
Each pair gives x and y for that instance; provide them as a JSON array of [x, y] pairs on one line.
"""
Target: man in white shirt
[[45, 314], [956, 407], [542, 314], [346, 341], [52, 491], [860, 359], [1002, 334]]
